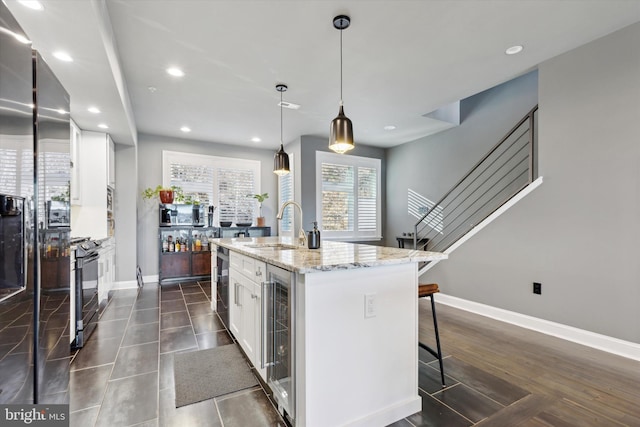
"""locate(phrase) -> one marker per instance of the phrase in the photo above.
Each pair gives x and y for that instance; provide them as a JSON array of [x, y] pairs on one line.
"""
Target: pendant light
[[341, 139], [281, 159]]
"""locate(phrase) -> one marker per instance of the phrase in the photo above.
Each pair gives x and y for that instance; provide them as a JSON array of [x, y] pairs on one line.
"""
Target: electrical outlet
[[370, 305], [537, 288]]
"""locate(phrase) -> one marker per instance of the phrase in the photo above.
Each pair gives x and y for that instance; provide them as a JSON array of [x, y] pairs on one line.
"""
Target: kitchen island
[[332, 331]]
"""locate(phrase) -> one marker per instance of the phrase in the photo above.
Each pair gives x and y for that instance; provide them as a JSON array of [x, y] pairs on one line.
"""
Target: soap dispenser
[[313, 240]]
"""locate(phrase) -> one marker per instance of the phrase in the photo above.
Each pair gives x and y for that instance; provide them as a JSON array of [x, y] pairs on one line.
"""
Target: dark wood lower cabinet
[[174, 265], [200, 263]]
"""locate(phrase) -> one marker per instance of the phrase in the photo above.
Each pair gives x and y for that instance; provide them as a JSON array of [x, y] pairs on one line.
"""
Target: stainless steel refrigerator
[[34, 169]]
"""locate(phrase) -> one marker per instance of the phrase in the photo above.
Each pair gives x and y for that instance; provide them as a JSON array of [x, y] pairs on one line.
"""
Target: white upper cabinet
[[111, 163], [89, 218], [76, 181]]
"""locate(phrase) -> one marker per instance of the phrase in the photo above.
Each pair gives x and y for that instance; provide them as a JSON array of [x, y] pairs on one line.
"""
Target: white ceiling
[[402, 60]]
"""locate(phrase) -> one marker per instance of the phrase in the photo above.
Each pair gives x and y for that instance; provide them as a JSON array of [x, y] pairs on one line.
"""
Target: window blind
[[338, 209]]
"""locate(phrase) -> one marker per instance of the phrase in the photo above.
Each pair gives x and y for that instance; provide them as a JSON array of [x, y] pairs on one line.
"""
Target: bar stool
[[427, 290]]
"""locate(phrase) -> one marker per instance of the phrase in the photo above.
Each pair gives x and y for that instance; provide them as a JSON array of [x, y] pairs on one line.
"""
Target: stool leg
[[435, 327]]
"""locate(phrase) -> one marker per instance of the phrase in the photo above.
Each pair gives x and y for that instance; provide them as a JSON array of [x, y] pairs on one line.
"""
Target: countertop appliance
[[278, 339], [86, 289], [222, 284]]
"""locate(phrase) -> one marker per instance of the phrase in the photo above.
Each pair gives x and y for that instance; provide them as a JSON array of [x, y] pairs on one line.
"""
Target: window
[[348, 196], [285, 193], [220, 181]]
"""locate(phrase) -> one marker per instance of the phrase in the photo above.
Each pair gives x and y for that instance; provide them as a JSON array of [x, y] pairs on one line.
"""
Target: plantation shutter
[[348, 196], [196, 181], [285, 191], [338, 208], [54, 176], [367, 199], [234, 185]]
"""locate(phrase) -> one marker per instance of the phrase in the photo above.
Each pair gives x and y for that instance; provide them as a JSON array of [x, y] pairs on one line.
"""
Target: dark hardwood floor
[[496, 374], [540, 380]]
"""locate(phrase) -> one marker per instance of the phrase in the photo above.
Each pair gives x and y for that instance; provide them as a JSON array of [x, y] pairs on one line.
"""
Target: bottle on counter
[[165, 245], [313, 238]]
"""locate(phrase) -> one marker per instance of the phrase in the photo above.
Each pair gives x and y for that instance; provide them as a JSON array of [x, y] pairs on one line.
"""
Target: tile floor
[[124, 375]]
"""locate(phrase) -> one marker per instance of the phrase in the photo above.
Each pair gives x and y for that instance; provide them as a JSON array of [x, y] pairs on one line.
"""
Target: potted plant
[[260, 198], [166, 194]]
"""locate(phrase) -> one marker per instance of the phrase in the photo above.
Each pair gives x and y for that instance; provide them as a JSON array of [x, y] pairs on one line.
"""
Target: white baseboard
[[125, 284], [606, 343], [132, 284]]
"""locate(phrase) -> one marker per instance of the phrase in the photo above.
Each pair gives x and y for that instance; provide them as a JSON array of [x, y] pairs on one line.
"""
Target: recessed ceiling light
[[256, 139], [63, 56], [176, 72], [289, 105], [389, 127], [513, 50], [152, 89], [103, 126], [32, 4], [93, 110], [185, 129]]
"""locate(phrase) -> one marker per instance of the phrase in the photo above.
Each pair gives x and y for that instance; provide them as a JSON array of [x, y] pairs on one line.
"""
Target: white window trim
[[356, 161]]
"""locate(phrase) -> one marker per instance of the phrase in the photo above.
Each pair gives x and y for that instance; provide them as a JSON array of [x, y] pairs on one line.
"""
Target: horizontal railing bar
[[494, 210], [525, 132], [484, 204], [495, 147], [530, 117], [482, 195], [489, 177]]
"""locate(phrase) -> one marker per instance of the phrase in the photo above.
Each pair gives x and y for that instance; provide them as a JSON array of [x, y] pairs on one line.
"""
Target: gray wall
[[578, 233], [150, 149], [433, 164], [126, 196]]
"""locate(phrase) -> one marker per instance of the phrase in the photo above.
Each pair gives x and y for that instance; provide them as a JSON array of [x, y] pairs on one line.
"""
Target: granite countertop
[[330, 256]]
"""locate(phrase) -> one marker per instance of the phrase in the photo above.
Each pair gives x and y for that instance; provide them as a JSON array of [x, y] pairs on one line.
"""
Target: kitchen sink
[[274, 246]]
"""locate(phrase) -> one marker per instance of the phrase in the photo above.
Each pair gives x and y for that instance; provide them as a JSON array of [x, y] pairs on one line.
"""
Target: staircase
[[496, 180]]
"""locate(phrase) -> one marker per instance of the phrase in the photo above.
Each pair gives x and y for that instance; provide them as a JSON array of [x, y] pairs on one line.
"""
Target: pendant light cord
[[341, 67], [281, 119]]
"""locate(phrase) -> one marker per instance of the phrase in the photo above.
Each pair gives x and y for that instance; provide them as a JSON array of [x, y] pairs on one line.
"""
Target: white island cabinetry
[[345, 327], [245, 280]]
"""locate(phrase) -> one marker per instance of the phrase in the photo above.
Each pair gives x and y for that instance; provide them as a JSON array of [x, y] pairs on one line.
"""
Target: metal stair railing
[[503, 172]]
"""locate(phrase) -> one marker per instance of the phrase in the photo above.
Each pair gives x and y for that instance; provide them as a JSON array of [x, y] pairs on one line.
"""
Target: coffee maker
[[165, 215]]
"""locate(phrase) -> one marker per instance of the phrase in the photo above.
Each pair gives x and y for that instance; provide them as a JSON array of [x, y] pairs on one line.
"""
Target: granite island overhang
[[353, 322], [284, 252]]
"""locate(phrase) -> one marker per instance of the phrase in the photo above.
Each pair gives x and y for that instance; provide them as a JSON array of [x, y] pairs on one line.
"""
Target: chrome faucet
[[302, 236]]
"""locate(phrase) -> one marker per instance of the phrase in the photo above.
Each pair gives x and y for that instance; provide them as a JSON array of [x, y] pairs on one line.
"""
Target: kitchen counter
[[345, 351], [329, 257]]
